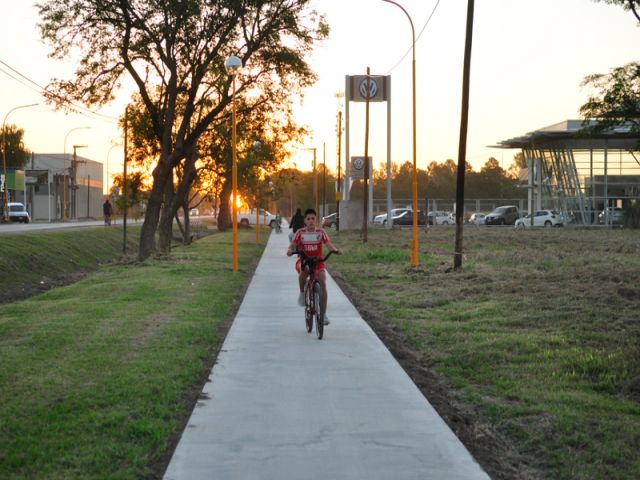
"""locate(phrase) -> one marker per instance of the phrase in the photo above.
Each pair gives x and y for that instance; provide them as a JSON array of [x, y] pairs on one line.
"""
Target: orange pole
[[234, 181]]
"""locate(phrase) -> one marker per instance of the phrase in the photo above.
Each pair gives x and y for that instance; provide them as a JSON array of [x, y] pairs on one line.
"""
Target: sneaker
[[301, 299], [326, 319]]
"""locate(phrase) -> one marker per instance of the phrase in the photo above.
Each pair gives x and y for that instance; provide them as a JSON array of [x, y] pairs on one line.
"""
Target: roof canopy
[[573, 134]]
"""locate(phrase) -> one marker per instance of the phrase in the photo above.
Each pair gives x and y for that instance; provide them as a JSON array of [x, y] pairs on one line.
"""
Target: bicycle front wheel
[[318, 312], [308, 308]]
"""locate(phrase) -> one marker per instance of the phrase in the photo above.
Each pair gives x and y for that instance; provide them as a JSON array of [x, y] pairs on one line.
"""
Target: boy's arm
[[292, 248], [332, 248]]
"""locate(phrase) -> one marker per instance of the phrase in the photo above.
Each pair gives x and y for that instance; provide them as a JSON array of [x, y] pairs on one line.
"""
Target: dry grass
[[538, 337]]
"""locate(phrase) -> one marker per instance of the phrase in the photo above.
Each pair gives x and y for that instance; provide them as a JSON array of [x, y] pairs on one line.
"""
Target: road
[[40, 227]]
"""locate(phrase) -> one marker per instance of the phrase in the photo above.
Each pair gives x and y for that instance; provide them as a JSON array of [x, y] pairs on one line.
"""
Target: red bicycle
[[313, 312]]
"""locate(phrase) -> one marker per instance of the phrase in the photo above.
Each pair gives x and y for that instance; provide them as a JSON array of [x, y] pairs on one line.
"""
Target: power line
[[417, 38], [78, 108]]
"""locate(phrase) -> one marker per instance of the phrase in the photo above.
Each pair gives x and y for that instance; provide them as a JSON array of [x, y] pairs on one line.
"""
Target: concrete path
[[282, 405]]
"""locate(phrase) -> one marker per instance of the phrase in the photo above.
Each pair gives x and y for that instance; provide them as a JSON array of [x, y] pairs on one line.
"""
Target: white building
[[45, 192]]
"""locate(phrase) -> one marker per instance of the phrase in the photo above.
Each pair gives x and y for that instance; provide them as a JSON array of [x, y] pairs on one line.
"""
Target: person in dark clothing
[[296, 223], [107, 210]]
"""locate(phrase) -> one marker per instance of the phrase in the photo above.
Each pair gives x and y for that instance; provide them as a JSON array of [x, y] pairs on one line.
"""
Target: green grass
[[539, 333], [97, 377], [27, 259]]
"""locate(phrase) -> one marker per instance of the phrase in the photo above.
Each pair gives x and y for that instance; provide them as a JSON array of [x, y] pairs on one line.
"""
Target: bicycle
[[312, 293]]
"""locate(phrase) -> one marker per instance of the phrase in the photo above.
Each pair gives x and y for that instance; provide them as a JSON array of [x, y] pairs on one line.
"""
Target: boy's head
[[310, 217]]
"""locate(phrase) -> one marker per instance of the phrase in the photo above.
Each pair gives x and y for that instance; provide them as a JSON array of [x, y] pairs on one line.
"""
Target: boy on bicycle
[[310, 239]]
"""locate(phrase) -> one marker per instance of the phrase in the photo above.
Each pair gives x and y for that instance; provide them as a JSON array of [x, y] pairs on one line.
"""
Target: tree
[[17, 155], [175, 51], [631, 5], [617, 99]]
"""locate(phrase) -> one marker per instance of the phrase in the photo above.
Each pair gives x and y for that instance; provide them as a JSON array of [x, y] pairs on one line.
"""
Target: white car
[[246, 219], [442, 218], [477, 218], [541, 218], [382, 219], [18, 213]]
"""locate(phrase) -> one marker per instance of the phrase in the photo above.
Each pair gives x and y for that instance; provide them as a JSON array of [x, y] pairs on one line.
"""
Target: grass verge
[[98, 377], [533, 349], [35, 262]]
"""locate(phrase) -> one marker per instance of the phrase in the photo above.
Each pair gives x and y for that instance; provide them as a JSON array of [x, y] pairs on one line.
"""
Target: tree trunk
[[152, 213], [165, 229], [186, 235], [224, 215], [176, 199]]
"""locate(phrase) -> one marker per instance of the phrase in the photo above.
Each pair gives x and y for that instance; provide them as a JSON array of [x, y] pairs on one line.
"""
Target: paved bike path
[[280, 404]]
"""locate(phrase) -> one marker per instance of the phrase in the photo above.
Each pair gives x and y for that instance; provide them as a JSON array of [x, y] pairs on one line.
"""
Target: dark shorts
[[319, 266]]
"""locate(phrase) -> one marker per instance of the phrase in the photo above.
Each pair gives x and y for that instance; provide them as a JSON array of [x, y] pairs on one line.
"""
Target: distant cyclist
[[296, 223], [310, 239]]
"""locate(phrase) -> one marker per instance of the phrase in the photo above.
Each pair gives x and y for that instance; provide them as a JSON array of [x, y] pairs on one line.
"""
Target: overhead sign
[[357, 168], [372, 87]]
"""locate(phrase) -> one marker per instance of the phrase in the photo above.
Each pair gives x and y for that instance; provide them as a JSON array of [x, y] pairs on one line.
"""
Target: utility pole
[[74, 181], [339, 187], [124, 182], [324, 178], [315, 180], [365, 183], [462, 145]]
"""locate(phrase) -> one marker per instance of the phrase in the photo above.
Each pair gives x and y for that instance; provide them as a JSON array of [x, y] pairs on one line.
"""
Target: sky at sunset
[[528, 60]]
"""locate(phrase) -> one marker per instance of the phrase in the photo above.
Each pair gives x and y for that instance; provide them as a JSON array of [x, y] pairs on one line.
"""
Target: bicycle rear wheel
[[318, 313], [308, 308]]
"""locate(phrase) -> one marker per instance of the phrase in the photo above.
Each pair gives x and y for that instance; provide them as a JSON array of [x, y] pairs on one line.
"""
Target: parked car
[[18, 213], [382, 218], [406, 218], [441, 218], [246, 219], [616, 216], [477, 218], [505, 215], [541, 218], [330, 221]]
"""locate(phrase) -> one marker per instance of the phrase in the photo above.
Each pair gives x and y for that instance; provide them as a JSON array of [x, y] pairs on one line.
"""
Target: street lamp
[[108, 179], [414, 247], [4, 159], [64, 171], [233, 65]]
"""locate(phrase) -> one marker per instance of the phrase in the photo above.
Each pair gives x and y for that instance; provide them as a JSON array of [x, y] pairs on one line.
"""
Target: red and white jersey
[[311, 242]]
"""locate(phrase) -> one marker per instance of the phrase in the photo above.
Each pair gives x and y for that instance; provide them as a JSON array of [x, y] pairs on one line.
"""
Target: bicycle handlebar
[[306, 257]]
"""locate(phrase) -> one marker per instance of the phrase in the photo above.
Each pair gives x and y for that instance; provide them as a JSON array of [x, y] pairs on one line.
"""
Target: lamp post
[[233, 65], [108, 179], [414, 246], [64, 171], [4, 159]]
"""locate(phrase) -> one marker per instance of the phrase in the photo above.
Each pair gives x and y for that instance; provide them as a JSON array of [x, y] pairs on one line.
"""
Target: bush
[[632, 215]]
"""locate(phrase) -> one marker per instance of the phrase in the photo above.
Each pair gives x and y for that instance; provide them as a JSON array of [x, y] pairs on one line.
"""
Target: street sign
[[374, 88], [357, 167]]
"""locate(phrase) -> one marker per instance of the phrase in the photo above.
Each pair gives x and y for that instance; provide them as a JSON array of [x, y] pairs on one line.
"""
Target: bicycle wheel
[[318, 313], [308, 309]]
